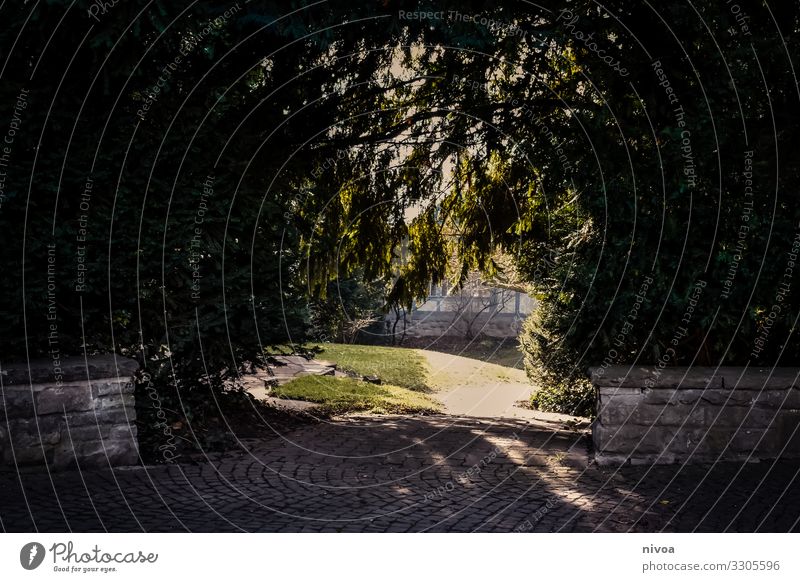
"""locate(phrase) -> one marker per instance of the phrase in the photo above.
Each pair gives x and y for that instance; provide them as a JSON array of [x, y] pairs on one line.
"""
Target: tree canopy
[[184, 176]]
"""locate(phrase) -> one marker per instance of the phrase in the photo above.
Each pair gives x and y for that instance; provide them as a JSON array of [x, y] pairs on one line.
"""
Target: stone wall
[[57, 413], [695, 414], [444, 323]]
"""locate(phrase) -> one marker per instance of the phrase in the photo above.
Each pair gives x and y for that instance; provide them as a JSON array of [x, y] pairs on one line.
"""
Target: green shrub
[[563, 387], [576, 397]]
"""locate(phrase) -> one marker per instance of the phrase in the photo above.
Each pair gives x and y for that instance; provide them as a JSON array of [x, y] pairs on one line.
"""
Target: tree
[[473, 299], [348, 309], [629, 155], [323, 139]]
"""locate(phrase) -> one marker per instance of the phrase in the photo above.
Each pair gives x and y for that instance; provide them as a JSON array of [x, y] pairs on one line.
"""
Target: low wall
[[445, 323], [78, 411], [695, 414]]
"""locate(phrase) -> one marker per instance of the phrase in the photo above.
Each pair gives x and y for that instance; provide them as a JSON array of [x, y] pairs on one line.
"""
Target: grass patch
[[397, 366], [340, 395]]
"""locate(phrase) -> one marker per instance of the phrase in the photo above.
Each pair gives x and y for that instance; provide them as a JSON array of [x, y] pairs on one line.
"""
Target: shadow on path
[[401, 474]]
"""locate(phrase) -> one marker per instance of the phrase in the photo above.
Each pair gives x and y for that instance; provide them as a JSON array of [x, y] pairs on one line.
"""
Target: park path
[[472, 388]]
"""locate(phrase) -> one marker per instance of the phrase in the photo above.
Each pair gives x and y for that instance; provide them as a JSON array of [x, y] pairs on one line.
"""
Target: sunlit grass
[[341, 395], [398, 366]]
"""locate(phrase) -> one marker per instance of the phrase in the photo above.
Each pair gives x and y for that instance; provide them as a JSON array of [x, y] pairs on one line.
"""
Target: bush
[[575, 398], [161, 247], [564, 388], [670, 264]]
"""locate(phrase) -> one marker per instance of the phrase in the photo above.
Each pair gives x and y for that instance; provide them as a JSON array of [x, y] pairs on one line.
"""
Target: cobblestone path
[[402, 474]]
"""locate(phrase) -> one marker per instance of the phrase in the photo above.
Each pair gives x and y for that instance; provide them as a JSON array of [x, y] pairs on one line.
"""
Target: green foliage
[[575, 398], [647, 269], [161, 225], [622, 207], [378, 149], [551, 367]]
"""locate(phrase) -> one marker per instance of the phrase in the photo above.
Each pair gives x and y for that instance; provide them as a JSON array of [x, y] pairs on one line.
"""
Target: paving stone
[[334, 477]]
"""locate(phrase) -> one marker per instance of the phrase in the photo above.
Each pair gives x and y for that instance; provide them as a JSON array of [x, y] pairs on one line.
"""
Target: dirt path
[[468, 387]]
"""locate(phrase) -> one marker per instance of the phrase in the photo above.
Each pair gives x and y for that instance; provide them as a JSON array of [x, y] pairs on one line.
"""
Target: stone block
[[114, 416], [34, 439], [111, 387], [114, 401], [615, 415], [686, 397], [75, 398], [122, 452], [94, 399], [699, 443], [96, 454], [610, 402], [650, 377], [653, 415], [631, 439], [755, 440], [89, 432], [27, 456], [788, 429], [698, 414], [662, 396], [786, 399], [740, 416], [17, 404], [78, 368], [734, 443], [760, 378], [695, 396], [617, 392], [123, 432], [34, 431]]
